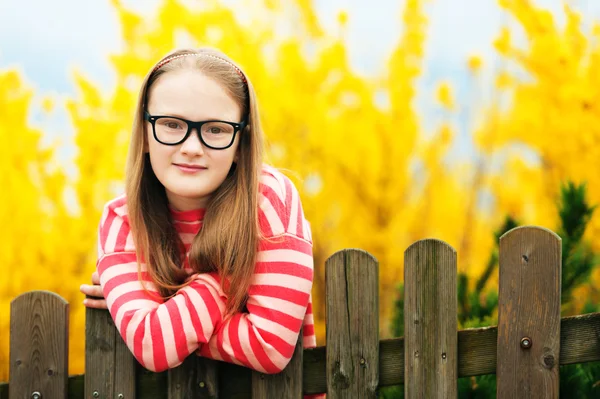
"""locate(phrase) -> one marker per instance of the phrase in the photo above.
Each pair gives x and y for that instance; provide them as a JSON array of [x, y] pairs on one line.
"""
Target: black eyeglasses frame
[[191, 125]]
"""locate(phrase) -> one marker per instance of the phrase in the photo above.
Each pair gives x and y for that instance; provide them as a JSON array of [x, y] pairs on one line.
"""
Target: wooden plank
[[580, 339], [99, 354], [195, 378], [430, 320], [39, 346], [580, 342], [125, 365], [110, 366], [352, 278], [529, 314], [287, 384], [477, 351]]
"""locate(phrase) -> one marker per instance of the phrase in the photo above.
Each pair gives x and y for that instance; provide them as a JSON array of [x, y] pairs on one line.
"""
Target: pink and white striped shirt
[[162, 333]]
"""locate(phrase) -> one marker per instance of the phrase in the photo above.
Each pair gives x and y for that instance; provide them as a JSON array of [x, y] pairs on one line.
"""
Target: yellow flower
[[342, 18], [502, 43], [444, 95], [475, 63]]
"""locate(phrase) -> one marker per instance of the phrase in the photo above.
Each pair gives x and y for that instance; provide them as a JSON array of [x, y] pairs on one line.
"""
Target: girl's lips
[[189, 168]]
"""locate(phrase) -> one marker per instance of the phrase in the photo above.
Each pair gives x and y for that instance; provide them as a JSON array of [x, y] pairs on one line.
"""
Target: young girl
[[208, 251]]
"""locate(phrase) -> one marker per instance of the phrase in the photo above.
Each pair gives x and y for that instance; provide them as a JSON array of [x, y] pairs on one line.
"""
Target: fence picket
[[352, 278], [39, 346], [109, 365], [195, 378], [430, 320], [529, 314]]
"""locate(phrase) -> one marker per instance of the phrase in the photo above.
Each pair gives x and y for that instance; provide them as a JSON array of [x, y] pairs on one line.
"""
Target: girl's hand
[[95, 291]]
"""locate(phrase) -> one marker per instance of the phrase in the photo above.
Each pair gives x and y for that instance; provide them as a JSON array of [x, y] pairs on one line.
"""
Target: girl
[[208, 250]]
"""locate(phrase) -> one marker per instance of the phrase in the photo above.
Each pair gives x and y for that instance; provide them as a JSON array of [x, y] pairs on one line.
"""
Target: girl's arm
[[159, 333], [265, 337]]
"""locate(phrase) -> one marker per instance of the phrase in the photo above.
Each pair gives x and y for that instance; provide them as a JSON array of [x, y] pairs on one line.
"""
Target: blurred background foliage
[[370, 175]]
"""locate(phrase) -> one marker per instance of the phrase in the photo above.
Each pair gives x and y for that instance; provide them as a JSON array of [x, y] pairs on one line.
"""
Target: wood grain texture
[[195, 378], [580, 342], [110, 366], [352, 307], [125, 365], [287, 384], [430, 320], [580, 339], [529, 308], [39, 346]]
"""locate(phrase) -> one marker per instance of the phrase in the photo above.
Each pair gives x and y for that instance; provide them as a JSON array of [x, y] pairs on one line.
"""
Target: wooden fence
[[524, 350]]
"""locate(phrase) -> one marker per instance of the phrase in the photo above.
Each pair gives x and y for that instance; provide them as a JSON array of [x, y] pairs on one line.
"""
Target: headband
[[171, 58]]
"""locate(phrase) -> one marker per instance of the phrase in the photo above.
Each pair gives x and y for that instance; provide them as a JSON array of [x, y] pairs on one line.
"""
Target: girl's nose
[[192, 145]]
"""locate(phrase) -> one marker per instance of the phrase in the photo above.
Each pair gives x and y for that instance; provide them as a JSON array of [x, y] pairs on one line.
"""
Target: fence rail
[[525, 349]]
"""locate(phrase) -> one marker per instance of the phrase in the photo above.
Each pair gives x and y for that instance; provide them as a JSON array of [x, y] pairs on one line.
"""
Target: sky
[[47, 40]]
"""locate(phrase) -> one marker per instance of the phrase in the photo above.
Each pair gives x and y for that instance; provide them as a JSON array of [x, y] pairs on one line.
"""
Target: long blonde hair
[[230, 234]]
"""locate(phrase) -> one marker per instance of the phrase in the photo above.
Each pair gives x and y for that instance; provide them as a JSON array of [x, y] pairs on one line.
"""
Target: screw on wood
[[36, 395], [201, 384], [121, 396], [95, 394], [526, 343]]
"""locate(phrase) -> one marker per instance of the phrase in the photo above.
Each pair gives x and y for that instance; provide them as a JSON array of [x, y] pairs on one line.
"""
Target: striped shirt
[[162, 333]]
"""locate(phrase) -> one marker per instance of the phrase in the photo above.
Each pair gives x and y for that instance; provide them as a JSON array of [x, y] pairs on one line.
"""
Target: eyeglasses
[[170, 130]]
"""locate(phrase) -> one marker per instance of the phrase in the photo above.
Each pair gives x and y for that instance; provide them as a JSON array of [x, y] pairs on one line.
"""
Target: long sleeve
[[160, 334], [264, 338]]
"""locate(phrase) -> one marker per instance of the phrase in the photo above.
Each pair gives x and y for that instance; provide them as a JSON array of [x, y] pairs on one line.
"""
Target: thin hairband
[[171, 58]]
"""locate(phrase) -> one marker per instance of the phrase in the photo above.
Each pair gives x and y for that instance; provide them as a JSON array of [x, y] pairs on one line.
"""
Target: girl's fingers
[[97, 300], [95, 303], [91, 290]]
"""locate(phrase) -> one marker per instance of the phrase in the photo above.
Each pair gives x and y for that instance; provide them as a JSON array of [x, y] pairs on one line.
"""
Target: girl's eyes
[[217, 128], [212, 128], [171, 123]]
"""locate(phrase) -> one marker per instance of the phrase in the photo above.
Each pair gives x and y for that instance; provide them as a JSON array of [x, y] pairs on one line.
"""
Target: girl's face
[[190, 172]]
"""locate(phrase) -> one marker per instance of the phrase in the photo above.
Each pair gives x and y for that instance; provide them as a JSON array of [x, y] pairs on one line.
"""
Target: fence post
[[109, 365], [196, 377], [430, 320], [529, 314], [287, 384], [352, 307], [39, 346]]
